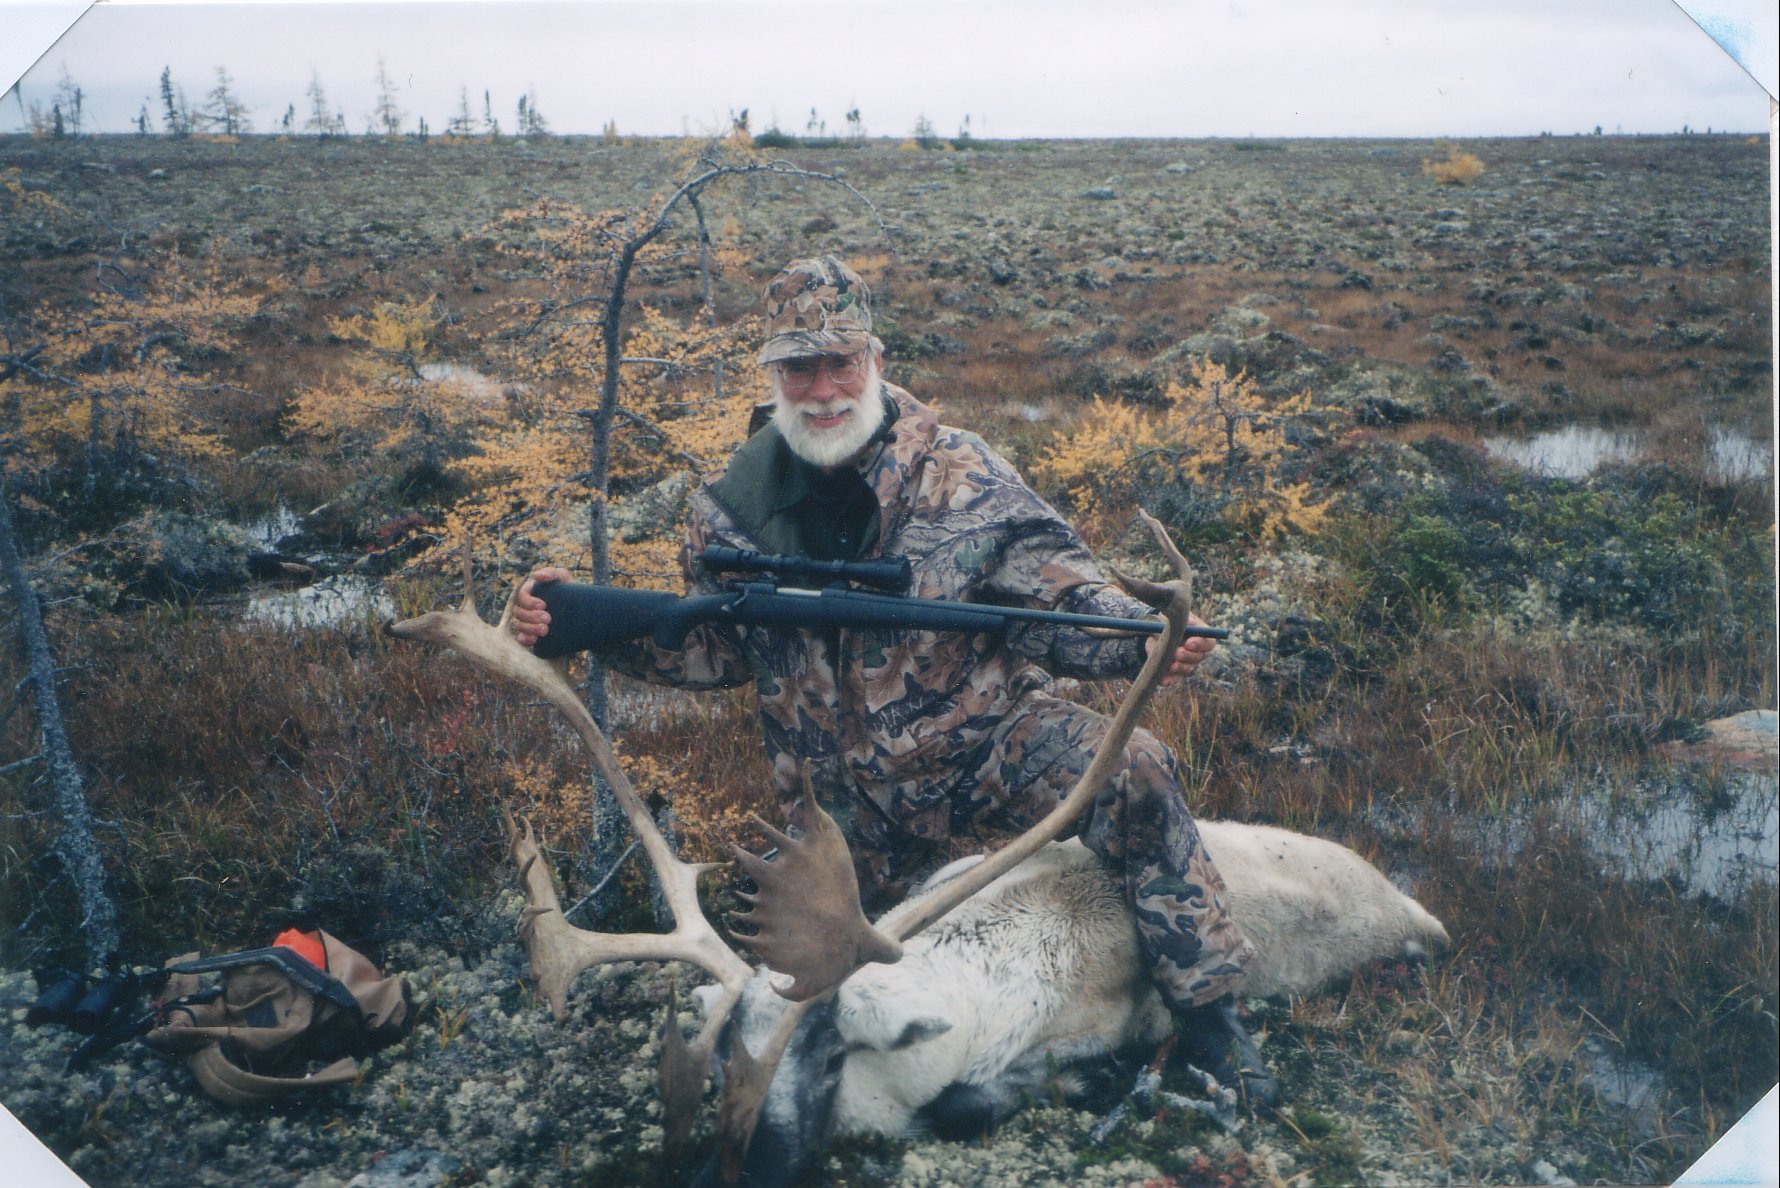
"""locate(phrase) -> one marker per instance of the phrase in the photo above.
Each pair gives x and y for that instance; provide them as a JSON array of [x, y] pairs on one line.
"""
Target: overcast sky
[[1016, 68]]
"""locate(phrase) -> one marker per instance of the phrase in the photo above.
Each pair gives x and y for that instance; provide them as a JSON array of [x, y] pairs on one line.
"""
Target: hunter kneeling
[[909, 736]]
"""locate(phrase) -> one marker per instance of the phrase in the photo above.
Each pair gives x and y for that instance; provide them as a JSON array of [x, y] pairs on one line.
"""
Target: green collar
[[764, 480]]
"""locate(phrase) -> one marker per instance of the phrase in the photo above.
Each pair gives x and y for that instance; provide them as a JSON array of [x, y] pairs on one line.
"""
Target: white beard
[[830, 447]]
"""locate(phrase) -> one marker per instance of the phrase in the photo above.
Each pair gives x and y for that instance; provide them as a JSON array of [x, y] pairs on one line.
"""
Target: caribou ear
[[920, 1029], [877, 1021], [706, 996]]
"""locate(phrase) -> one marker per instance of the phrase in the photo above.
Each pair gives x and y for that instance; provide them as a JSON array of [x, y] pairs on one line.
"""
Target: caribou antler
[[806, 912], [818, 864], [560, 951]]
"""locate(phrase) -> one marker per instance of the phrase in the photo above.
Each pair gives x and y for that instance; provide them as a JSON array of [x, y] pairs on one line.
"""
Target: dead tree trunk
[[608, 821], [76, 847]]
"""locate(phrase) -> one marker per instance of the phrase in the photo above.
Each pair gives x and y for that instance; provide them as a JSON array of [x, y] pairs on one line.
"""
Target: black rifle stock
[[584, 616]]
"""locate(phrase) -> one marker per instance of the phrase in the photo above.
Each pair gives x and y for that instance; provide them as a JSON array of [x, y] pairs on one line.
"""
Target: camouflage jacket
[[900, 715]]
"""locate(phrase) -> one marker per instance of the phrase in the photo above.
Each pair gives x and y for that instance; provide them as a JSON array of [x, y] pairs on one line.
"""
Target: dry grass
[[1490, 1077], [283, 750]]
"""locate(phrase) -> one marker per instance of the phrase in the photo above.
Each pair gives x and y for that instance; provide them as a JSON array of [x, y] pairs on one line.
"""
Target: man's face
[[826, 406]]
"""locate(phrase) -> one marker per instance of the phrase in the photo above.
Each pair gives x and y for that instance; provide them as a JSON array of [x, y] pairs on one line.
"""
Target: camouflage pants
[[1139, 825]]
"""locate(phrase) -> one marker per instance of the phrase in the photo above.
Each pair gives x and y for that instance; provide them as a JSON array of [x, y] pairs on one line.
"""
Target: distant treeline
[[223, 113]]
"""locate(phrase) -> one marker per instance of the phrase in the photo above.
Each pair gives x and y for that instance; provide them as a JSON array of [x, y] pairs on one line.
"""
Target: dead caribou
[[1040, 971], [810, 931]]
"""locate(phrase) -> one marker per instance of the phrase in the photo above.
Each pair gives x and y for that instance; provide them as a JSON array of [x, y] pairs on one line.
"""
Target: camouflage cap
[[817, 306]]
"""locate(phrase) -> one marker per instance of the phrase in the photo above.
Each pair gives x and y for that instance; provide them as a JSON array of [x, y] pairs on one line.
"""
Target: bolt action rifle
[[867, 595]]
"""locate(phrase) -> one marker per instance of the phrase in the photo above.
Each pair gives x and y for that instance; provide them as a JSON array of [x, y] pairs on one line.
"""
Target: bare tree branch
[[15, 765], [75, 845]]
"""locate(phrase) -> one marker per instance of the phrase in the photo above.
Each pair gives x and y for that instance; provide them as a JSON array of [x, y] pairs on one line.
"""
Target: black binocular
[[64, 996]]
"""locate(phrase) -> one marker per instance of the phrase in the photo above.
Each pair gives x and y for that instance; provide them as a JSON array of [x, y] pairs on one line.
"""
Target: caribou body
[[1041, 970]]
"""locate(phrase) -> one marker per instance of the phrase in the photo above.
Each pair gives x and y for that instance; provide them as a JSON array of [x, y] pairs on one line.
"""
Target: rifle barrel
[[993, 616], [592, 616]]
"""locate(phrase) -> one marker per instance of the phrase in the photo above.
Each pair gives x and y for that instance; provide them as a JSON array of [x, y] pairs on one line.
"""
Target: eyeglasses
[[800, 374]]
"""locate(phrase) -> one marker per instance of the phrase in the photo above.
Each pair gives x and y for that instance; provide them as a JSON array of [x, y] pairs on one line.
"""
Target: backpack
[[294, 1016]]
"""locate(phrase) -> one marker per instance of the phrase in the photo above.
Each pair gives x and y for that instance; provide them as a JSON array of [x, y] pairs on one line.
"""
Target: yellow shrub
[[383, 402], [21, 201], [1458, 168], [1217, 433], [154, 344], [395, 328], [559, 806]]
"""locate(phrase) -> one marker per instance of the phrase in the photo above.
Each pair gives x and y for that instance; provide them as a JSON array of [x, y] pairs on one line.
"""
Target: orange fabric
[[306, 945]]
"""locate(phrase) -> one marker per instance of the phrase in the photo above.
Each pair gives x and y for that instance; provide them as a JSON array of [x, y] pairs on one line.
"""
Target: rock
[[1179, 167], [1100, 193], [174, 555], [1545, 1173], [1749, 740], [1219, 348], [1242, 321]]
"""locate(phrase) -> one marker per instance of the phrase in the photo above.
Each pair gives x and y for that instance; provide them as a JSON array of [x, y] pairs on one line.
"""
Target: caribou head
[[809, 928]]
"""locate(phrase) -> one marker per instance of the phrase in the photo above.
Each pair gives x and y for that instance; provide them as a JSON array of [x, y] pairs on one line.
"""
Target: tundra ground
[[1498, 683]]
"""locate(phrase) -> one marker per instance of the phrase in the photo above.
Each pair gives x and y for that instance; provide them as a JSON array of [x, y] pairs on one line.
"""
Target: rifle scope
[[888, 573]]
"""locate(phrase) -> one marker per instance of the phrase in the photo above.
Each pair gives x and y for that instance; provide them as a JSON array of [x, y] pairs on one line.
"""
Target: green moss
[[1334, 1159]]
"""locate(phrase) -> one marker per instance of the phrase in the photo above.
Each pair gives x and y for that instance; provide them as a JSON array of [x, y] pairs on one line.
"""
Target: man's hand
[[530, 621], [1192, 650]]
